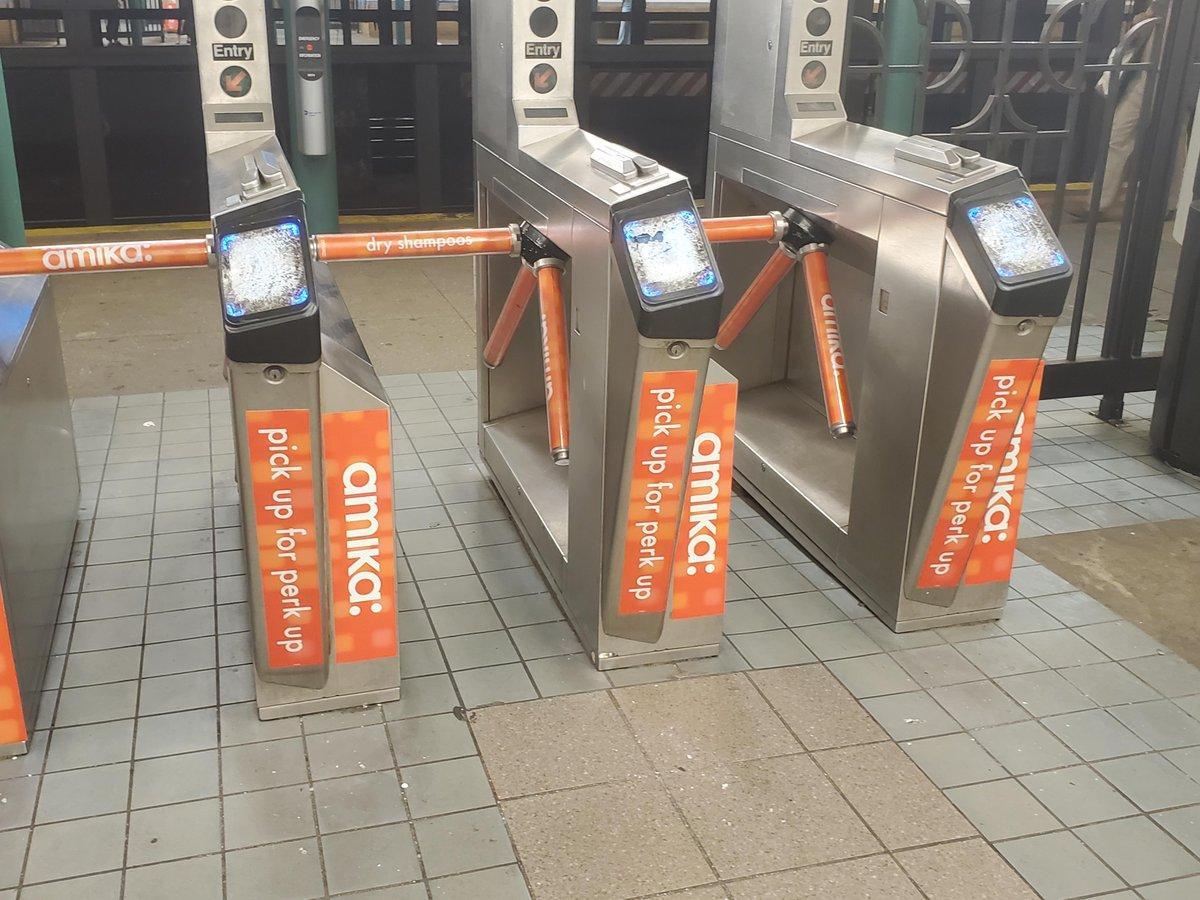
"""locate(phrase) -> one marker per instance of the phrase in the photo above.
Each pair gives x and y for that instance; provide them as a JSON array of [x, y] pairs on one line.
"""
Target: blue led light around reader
[[1024, 201], [708, 278], [652, 290], [688, 217]]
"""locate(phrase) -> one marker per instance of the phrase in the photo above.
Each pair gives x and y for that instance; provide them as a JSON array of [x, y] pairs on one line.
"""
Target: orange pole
[[776, 269], [401, 244], [510, 317], [554, 359], [740, 228], [108, 257], [831, 359]]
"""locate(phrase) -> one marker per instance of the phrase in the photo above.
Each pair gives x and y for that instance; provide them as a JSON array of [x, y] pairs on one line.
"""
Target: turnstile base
[[326, 704], [20, 748], [887, 616], [650, 657]]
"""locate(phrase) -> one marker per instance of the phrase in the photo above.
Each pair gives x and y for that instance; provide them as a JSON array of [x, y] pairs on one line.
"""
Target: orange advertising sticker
[[361, 528], [989, 435], [664, 402], [991, 558], [12, 716], [281, 475], [702, 554]]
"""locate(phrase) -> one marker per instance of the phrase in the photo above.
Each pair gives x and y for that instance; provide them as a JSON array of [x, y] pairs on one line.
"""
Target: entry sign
[[233, 52], [664, 403], [998, 415], [282, 487]]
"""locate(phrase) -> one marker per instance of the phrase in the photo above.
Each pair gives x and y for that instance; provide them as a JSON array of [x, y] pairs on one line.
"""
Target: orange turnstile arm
[[742, 228], [120, 256], [776, 269], [831, 358], [554, 359], [401, 244], [510, 317]]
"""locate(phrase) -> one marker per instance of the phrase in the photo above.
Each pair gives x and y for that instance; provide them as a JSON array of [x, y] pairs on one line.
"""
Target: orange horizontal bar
[[740, 228], [123, 256], [407, 244]]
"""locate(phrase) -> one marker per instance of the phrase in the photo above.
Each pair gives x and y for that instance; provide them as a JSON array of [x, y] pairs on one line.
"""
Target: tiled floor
[[1062, 737]]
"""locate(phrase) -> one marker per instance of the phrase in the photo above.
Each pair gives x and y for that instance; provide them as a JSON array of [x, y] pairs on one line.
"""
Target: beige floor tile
[[588, 841], [708, 892], [966, 869], [769, 814], [894, 797], [813, 703], [873, 878], [700, 722], [549, 745]]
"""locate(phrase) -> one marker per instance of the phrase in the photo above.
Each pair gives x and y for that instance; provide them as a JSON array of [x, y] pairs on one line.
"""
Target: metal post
[[12, 218], [317, 175], [902, 37]]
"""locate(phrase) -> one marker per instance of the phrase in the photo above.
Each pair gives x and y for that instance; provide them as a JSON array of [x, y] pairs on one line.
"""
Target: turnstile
[[312, 423], [39, 484], [944, 280], [617, 384]]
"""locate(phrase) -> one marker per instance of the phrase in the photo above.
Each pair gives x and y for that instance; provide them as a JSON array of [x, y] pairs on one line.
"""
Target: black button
[[230, 22], [543, 78], [819, 21], [544, 21]]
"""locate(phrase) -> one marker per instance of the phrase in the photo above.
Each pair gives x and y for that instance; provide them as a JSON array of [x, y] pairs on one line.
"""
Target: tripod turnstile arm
[[831, 359], [122, 256], [778, 267], [771, 227], [509, 320], [554, 357], [406, 244]]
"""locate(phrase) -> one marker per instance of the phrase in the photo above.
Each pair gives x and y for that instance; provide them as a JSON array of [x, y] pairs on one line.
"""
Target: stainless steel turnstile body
[[917, 329], [39, 487], [311, 420], [534, 164]]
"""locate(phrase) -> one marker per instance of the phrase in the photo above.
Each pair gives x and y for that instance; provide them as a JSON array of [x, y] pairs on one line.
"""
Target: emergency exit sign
[[543, 49], [238, 52]]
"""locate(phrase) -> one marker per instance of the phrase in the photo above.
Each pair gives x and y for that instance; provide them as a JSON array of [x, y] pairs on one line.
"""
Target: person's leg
[[1122, 142]]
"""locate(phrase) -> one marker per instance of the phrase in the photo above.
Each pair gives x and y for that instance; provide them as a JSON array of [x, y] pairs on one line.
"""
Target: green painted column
[[317, 175], [12, 218], [902, 34]]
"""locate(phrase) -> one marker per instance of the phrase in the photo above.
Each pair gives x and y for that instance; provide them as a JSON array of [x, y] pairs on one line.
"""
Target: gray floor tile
[[545, 639], [775, 581], [1025, 617], [277, 872], [937, 666], [421, 658], [95, 887], [1000, 656], [1121, 640], [872, 676], [910, 715], [83, 793], [1045, 693], [1094, 734], [175, 693], [1138, 850], [837, 640], [107, 634], [497, 684], [186, 879], [422, 697], [977, 704], [182, 732], [1150, 781], [98, 703], [1024, 747], [12, 857], [358, 801], [1075, 608], [262, 817], [528, 610], [1062, 648], [490, 648], [1184, 825], [1109, 684], [501, 883], [181, 625], [17, 799], [799, 610], [65, 849], [745, 616], [253, 767], [167, 598], [767, 649], [430, 738], [448, 591], [1002, 809], [349, 752], [471, 618], [1169, 675], [174, 832], [953, 759], [451, 786], [370, 858], [557, 675], [1059, 865], [1179, 889], [1160, 723], [174, 779], [240, 725], [89, 745], [1077, 795], [102, 667], [462, 841], [317, 724]]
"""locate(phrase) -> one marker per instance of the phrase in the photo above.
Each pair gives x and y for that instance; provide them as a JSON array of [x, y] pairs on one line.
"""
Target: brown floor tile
[[873, 878], [708, 892], [585, 842], [769, 814], [894, 797], [550, 745], [698, 722], [813, 703], [966, 869]]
